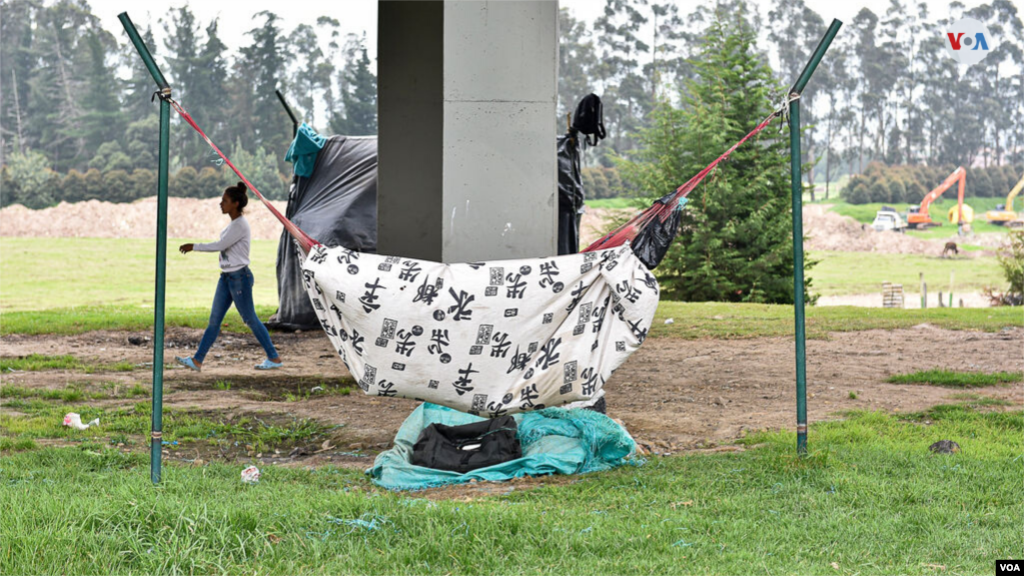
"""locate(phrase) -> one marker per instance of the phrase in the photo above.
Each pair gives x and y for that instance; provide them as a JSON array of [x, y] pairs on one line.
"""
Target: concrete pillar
[[467, 167]]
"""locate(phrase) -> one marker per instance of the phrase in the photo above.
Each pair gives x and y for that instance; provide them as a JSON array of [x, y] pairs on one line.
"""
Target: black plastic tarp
[[336, 206], [570, 194]]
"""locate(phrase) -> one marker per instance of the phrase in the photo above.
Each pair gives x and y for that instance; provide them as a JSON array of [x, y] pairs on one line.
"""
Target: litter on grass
[[75, 421], [251, 475]]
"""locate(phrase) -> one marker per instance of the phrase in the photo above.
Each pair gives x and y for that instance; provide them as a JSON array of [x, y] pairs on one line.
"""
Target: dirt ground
[[672, 395]]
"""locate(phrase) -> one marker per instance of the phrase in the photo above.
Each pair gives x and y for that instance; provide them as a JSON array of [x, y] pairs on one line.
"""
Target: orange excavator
[[918, 217]]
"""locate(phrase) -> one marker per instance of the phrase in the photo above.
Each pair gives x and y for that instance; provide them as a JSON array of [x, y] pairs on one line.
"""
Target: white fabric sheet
[[488, 338]]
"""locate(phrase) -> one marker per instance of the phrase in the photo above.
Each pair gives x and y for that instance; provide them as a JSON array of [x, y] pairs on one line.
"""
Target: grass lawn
[[951, 379], [611, 203], [839, 273], [870, 498], [44, 273]]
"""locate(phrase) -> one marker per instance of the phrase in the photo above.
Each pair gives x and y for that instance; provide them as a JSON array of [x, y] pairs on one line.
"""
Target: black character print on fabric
[[638, 331], [476, 265], [458, 310], [479, 402], [577, 295], [328, 328], [500, 345], [347, 256], [426, 292], [483, 334], [386, 389], [526, 397], [548, 271], [410, 270], [462, 385], [516, 286], [369, 300], [626, 290], [497, 276], [496, 409], [357, 342], [318, 256], [405, 345], [519, 361], [439, 339], [548, 355], [649, 281], [590, 378]]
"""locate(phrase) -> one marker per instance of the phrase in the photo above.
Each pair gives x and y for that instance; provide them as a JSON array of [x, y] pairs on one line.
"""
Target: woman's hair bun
[[241, 185]]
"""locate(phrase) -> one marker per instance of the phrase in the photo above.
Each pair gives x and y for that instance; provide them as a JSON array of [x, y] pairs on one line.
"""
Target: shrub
[[1011, 260]]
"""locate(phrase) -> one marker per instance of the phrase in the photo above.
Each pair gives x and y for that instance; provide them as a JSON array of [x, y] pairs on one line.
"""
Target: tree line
[[68, 117], [886, 91]]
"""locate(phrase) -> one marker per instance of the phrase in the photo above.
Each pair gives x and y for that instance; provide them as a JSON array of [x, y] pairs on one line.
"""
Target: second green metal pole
[[158, 304], [798, 277]]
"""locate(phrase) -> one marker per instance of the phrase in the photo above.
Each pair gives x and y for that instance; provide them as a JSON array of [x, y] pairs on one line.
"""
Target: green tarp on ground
[[554, 441]]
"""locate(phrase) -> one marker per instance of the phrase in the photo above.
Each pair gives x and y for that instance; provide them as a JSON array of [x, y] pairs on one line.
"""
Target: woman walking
[[235, 283]]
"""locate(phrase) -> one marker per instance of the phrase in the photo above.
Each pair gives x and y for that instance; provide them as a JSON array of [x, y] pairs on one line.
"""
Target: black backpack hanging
[[465, 448], [589, 119]]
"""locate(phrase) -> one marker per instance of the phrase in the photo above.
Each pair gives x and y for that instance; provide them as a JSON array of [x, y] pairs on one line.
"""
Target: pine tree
[[735, 242], [360, 100]]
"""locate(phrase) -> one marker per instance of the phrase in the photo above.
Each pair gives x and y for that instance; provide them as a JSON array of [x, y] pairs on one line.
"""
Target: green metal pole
[[156, 436], [161, 280], [798, 235], [798, 277]]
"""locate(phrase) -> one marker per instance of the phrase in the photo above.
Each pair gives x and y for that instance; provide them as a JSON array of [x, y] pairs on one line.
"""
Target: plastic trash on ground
[[75, 421], [251, 475]]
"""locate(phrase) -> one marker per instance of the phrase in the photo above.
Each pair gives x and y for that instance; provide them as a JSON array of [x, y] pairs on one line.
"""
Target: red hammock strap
[[301, 237], [662, 210]]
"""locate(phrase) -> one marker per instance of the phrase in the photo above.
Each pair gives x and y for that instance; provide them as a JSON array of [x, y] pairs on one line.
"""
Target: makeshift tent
[[334, 199]]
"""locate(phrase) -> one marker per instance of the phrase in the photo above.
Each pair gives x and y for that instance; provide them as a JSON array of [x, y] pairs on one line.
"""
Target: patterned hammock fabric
[[487, 338]]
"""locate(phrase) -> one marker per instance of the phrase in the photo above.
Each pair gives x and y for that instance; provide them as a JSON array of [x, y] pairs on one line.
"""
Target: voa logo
[[968, 41]]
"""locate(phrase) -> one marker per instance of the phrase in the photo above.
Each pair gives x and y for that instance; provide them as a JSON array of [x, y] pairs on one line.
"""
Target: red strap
[[303, 239]]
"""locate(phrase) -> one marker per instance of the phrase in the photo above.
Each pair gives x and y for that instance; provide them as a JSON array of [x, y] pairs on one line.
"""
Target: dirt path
[[672, 395]]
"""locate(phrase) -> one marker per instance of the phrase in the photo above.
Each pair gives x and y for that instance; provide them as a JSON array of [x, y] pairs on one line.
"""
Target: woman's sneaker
[[188, 363], [269, 364]]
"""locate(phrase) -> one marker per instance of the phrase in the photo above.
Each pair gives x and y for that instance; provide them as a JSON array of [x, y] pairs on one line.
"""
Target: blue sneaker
[[269, 364], [188, 363]]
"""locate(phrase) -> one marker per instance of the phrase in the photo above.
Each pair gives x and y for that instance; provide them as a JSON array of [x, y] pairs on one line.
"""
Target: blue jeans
[[234, 287]]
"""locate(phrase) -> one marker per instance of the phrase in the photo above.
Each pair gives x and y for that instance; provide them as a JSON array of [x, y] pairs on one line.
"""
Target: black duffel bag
[[467, 447]]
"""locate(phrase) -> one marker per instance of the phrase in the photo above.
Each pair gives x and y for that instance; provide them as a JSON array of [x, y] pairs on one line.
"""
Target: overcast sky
[[361, 15]]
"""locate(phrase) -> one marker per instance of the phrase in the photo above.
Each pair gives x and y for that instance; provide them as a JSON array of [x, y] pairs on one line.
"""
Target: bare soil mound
[[186, 218]]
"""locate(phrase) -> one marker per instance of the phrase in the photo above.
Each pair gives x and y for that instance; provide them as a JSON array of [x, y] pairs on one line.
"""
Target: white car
[[888, 220]]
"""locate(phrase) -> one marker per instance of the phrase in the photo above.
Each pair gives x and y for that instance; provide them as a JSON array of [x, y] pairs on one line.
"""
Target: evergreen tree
[[735, 240], [267, 59], [139, 87], [360, 100], [102, 120]]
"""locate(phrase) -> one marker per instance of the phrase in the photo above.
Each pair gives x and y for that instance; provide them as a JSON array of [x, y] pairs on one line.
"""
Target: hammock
[[491, 338]]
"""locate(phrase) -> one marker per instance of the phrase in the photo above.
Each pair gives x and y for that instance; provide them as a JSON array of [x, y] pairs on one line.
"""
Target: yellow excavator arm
[[1006, 215], [1013, 194]]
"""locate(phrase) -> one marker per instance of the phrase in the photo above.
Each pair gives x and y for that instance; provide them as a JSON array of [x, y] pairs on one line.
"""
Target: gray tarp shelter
[[337, 206]]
